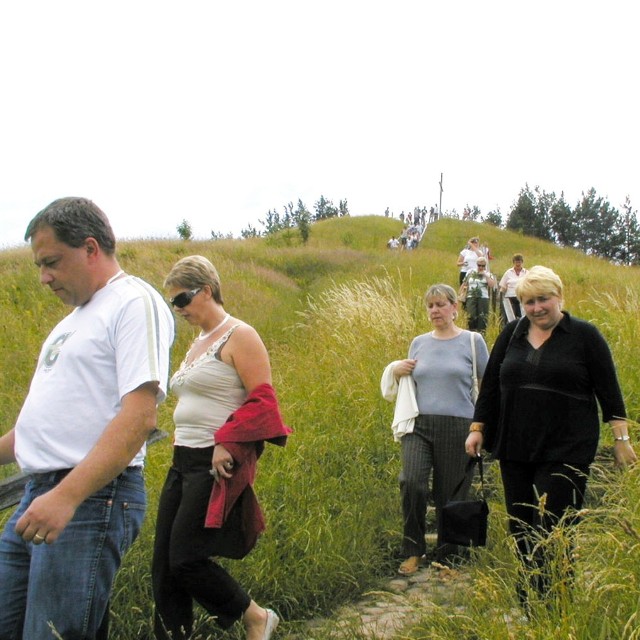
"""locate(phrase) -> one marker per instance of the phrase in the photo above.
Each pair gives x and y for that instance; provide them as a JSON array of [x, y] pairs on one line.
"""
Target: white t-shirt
[[510, 280], [101, 351], [470, 260]]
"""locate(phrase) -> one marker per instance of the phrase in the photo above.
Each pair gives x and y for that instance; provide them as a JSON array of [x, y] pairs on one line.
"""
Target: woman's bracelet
[[476, 426]]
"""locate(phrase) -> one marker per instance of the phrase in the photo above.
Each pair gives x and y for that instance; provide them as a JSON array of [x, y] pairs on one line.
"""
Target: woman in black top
[[537, 413]]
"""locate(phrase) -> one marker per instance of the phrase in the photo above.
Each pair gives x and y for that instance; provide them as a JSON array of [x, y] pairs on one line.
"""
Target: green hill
[[333, 313]]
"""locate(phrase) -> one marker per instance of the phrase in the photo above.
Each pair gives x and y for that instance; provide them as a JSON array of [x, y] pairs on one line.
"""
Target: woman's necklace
[[204, 336]]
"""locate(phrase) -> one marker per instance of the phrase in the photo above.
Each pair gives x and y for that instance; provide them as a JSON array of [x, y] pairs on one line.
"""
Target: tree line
[[593, 225], [299, 218]]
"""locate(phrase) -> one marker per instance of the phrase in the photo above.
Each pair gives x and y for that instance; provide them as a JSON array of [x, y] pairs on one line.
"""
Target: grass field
[[333, 313]]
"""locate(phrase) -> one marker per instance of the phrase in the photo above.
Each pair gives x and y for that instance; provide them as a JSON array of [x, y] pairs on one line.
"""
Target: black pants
[[184, 567], [537, 496], [515, 306]]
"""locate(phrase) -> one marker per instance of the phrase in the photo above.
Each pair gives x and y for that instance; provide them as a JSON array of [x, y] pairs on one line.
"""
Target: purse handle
[[476, 459], [474, 366]]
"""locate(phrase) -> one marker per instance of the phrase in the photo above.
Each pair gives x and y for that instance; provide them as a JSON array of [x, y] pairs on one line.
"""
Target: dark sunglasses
[[184, 298]]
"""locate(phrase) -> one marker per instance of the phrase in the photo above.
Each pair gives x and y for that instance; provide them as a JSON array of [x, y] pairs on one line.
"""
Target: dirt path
[[383, 614]]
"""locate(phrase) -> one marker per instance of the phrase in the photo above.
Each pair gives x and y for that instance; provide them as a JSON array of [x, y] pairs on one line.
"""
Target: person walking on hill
[[81, 432], [438, 377], [468, 258], [511, 309], [226, 411], [537, 414], [479, 285]]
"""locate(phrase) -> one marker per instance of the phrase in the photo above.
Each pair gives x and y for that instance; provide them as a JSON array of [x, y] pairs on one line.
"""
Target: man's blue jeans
[[66, 585]]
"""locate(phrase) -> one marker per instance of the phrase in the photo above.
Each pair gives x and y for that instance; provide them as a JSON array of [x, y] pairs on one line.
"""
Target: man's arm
[[7, 447], [50, 513]]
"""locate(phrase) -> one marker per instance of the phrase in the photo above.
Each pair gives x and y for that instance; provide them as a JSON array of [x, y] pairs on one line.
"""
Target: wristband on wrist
[[622, 438], [476, 427]]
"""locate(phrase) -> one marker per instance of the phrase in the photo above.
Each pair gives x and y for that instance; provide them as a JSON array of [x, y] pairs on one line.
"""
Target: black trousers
[[537, 496], [184, 567], [515, 305]]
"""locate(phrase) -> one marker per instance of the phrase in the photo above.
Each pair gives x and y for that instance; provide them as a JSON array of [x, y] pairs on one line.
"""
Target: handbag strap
[[474, 362], [476, 459]]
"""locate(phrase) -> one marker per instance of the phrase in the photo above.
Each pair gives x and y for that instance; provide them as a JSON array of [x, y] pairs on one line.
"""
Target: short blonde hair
[[441, 291], [193, 272], [539, 281]]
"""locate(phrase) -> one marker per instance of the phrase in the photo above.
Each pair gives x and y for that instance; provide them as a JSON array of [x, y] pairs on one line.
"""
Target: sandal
[[272, 623], [410, 565]]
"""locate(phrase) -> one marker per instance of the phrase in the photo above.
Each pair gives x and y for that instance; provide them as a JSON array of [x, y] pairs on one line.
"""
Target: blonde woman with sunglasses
[[225, 369]]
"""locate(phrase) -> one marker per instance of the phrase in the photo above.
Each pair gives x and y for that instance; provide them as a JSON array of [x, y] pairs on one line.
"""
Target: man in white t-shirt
[[82, 430]]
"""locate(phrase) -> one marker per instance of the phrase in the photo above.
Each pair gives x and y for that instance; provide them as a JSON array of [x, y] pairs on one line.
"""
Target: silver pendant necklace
[[204, 336]]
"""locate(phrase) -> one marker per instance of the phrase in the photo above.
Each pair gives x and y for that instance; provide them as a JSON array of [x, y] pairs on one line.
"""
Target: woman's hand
[[404, 368], [221, 463], [623, 454], [473, 443]]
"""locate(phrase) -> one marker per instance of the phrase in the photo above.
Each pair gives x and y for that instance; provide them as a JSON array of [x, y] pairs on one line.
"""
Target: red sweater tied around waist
[[255, 422]]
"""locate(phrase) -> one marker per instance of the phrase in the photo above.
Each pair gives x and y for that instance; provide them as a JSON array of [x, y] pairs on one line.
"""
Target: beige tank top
[[208, 391]]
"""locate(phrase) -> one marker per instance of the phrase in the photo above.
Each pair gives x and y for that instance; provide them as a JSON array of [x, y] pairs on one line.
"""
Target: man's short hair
[[73, 221]]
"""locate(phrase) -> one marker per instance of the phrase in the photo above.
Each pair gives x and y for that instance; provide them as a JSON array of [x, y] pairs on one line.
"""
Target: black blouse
[[539, 405]]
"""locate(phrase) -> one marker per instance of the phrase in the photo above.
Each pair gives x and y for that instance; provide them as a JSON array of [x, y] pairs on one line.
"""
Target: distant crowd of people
[[415, 223], [420, 215], [408, 239], [478, 286]]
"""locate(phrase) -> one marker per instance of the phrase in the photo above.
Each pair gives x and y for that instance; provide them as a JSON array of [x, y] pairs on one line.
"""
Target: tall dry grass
[[333, 314]]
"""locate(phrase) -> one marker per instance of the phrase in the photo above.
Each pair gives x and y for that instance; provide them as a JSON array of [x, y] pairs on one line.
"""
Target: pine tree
[[530, 214]]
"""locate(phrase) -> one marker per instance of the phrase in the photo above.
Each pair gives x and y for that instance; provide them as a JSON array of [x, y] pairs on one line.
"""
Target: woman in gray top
[[441, 365]]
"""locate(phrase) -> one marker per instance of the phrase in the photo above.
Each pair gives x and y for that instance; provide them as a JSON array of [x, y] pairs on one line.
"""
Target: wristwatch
[[622, 438]]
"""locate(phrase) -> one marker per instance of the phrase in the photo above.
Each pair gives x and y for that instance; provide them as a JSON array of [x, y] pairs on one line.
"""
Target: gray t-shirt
[[442, 374]]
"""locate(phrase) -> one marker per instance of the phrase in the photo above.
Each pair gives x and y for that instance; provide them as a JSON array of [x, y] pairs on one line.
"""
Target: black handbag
[[464, 522]]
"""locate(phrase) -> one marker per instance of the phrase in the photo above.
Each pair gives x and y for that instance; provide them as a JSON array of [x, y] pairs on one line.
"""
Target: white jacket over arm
[[404, 394]]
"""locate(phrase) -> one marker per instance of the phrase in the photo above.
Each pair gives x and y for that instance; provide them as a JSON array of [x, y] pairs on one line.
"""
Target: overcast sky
[[216, 112]]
